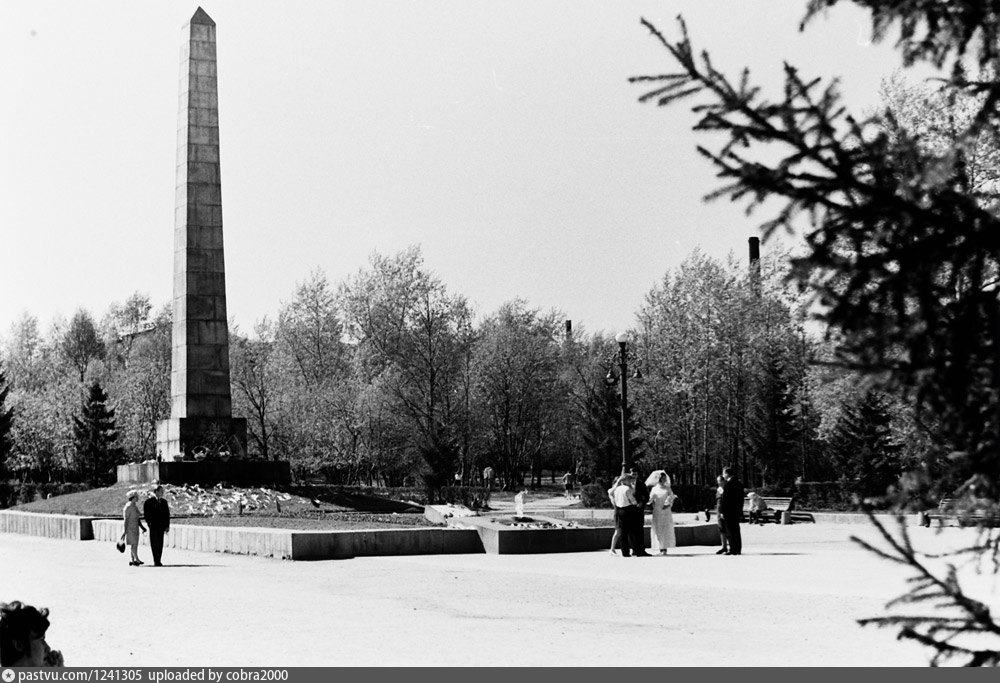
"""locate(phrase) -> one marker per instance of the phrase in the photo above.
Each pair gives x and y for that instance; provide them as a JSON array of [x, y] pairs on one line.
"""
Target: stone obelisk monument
[[200, 397]]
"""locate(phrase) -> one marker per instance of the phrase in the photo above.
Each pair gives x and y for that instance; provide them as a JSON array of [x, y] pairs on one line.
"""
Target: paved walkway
[[792, 599]]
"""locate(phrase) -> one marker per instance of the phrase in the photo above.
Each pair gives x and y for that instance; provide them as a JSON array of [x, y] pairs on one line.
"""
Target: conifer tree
[[602, 432], [599, 430], [95, 437], [864, 448], [775, 426], [6, 422]]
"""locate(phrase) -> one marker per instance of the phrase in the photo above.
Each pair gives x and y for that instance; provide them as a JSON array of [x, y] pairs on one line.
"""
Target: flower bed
[[327, 522]]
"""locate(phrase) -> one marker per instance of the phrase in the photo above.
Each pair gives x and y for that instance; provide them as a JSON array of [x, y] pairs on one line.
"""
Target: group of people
[[156, 512], [630, 495]]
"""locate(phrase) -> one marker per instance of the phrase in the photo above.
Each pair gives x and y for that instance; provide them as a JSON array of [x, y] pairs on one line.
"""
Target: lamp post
[[622, 340]]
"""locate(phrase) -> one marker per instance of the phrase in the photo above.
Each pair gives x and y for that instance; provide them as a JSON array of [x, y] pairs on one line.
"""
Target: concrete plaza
[[791, 599]]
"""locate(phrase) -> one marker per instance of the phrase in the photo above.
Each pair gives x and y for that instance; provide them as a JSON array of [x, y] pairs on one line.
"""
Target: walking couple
[[629, 495], [157, 514]]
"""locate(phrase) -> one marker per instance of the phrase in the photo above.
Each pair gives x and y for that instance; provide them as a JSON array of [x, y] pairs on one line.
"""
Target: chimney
[[755, 264]]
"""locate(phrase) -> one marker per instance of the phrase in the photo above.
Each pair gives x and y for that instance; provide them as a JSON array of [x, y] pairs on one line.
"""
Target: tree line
[[387, 379]]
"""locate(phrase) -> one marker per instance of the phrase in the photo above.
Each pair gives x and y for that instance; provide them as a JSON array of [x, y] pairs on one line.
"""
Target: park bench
[[775, 506], [970, 515]]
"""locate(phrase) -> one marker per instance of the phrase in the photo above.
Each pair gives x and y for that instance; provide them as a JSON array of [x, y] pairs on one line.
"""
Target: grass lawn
[[290, 507]]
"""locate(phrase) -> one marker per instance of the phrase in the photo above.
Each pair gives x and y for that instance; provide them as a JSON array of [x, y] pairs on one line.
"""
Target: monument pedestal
[[208, 472], [184, 435]]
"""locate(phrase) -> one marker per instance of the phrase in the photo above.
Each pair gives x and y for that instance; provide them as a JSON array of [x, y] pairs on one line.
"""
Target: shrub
[[402, 493], [8, 494], [62, 488], [26, 494], [822, 495], [594, 496], [693, 498], [473, 497], [780, 490], [13, 492]]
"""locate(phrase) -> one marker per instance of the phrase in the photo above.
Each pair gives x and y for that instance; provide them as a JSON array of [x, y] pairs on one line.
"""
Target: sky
[[501, 137]]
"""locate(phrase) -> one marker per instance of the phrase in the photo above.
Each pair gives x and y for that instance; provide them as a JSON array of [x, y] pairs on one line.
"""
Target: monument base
[[208, 472], [186, 436]]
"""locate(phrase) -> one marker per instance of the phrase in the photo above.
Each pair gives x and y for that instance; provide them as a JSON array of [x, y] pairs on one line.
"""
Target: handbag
[[121, 544]]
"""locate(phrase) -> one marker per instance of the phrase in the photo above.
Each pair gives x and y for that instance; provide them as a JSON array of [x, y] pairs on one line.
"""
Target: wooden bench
[[973, 514], [772, 513]]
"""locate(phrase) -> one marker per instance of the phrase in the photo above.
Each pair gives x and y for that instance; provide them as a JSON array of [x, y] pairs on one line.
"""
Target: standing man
[[723, 534], [623, 498], [157, 514], [731, 509], [639, 515], [568, 484]]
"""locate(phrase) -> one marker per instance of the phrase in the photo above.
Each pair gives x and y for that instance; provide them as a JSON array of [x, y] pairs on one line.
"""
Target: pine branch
[[934, 631]]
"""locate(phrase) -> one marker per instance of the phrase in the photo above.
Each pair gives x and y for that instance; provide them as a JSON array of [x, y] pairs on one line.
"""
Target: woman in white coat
[[661, 498]]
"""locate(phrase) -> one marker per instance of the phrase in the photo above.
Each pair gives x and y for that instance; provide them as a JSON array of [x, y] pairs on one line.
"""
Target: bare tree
[[80, 343]]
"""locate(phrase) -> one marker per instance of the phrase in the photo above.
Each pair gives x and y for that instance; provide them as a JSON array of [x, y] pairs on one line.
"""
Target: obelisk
[[200, 396]]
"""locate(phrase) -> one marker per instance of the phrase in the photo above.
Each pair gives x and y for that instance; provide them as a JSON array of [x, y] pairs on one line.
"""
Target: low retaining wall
[[330, 545], [326, 545], [582, 539], [288, 544], [213, 539], [501, 538], [67, 527]]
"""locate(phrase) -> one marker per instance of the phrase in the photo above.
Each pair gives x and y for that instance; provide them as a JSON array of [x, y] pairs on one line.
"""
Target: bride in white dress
[[661, 498]]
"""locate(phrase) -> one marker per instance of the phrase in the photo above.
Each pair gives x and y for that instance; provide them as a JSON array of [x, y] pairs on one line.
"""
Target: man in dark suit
[[157, 514], [637, 528], [731, 510]]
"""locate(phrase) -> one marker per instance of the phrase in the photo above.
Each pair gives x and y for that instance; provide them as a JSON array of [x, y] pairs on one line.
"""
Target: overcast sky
[[502, 137]]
